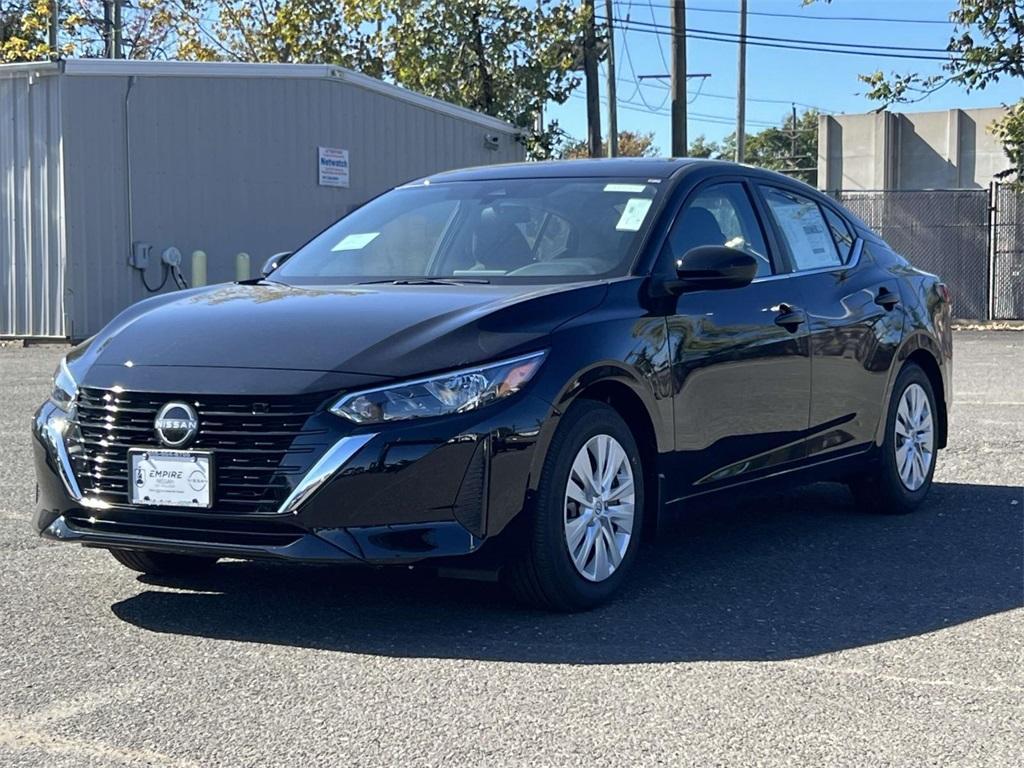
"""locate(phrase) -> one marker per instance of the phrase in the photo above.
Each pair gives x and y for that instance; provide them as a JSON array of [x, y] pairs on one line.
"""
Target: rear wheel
[[903, 476], [162, 563], [585, 528]]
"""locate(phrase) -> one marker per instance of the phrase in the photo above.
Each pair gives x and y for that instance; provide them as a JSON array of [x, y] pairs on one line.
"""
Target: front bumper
[[402, 493]]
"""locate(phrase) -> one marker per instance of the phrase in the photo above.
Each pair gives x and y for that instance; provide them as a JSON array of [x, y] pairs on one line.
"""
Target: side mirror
[[274, 262], [713, 267]]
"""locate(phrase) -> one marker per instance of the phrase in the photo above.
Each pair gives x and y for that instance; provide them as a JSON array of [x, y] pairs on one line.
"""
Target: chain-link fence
[[1008, 254], [944, 231]]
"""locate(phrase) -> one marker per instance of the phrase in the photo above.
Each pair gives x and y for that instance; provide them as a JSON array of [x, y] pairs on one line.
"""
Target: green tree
[[24, 31], [702, 148], [987, 45], [264, 31], [791, 148], [631, 144], [148, 29], [500, 57]]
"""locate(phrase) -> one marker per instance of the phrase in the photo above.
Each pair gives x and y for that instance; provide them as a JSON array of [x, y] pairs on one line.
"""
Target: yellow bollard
[[198, 269], [242, 266]]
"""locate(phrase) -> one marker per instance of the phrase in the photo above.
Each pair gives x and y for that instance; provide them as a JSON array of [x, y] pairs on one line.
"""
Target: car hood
[[387, 330]]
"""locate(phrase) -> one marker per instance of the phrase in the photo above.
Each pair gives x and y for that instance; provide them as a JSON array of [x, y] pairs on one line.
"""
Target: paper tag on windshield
[[355, 242], [633, 214], [632, 188]]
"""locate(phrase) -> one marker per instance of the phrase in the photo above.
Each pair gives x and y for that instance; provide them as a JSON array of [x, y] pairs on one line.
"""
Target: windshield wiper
[[430, 281]]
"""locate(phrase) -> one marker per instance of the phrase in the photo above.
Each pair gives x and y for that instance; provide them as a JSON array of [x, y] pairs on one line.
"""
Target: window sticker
[[631, 188], [633, 214], [356, 242], [807, 235]]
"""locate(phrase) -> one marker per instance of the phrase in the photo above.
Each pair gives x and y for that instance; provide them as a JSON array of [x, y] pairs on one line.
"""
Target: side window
[[803, 226], [718, 215], [841, 234]]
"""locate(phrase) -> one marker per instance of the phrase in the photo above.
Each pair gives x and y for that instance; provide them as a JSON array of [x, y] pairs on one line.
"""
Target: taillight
[[944, 292]]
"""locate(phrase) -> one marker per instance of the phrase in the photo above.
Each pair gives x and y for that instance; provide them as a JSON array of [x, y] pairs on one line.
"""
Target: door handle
[[887, 298], [789, 317]]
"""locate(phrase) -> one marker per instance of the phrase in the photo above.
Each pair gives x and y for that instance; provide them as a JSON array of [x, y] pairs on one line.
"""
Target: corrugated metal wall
[[227, 165], [31, 206]]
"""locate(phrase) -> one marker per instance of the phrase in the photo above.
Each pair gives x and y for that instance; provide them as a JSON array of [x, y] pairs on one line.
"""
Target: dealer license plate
[[164, 478]]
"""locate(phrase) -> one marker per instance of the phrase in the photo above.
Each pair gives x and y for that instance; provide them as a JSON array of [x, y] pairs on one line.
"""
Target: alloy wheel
[[915, 437], [599, 507]]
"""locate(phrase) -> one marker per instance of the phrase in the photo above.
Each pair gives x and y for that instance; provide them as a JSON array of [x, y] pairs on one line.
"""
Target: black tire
[[880, 490], [163, 563], [543, 573]]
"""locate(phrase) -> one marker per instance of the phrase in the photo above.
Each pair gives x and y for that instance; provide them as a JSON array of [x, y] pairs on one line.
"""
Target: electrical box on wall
[[140, 255], [171, 257]]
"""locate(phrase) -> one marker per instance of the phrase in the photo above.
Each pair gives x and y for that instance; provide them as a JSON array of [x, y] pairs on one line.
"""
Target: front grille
[[257, 458]]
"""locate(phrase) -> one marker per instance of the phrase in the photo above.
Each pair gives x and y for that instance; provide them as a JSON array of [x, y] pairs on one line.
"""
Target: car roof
[[638, 167], [621, 167]]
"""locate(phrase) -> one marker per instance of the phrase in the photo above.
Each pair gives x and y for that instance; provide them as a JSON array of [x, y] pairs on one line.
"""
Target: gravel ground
[[787, 630]]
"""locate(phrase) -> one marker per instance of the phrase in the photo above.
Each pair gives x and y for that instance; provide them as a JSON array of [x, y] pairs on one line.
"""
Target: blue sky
[[825, 80]]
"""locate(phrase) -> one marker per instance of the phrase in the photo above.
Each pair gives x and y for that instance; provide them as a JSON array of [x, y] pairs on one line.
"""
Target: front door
[[740, 356]]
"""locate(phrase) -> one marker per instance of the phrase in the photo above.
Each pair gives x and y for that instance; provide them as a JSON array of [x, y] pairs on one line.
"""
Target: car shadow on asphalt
[[776, 576]]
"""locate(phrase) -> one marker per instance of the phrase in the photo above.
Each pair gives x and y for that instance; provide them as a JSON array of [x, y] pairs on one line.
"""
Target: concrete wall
[[918, 150]]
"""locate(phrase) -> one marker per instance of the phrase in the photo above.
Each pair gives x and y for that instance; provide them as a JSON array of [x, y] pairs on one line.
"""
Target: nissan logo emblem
[[176, 424]]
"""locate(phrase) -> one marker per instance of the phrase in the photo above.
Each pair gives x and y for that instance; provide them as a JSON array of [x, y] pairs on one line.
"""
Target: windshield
[[483, 231]]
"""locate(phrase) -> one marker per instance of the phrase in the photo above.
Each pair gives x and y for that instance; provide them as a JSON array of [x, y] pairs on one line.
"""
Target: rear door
[[854, 319], [740, 356]]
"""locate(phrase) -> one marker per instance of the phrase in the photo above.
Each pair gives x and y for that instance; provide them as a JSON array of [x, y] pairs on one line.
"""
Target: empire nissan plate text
[[520, 367]]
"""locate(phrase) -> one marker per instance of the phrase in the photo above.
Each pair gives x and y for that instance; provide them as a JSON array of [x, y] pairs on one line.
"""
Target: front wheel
[[585, 528], [904, 473]]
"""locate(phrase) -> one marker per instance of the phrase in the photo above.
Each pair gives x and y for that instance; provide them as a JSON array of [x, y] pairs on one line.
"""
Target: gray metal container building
[[96, 155]]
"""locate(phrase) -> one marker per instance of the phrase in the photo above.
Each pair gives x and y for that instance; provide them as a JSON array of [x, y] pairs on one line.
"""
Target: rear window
[[840, 234]]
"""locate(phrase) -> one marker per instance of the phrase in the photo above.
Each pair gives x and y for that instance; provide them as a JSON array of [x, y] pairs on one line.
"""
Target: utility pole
[[679, 144], [538, 126], [613, 107], [118, 43], [590, 73], [54, 26], [108, 38], [792, 141], [741, 89]]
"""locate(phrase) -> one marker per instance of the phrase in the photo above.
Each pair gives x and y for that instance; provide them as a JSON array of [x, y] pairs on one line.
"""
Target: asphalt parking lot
[[787, 630]]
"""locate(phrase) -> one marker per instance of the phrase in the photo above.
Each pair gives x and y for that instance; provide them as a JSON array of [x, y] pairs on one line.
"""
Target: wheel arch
[[924, 352], [630, 405]]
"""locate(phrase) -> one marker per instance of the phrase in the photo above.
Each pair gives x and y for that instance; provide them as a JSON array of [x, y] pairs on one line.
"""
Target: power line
[[638, 89], [654, 20], [770, 101], [762, 44], [700, 117], [813, 17], [802, 41], [732, 97]]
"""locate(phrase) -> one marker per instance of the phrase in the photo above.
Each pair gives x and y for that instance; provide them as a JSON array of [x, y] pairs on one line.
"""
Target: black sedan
[[519, 368]]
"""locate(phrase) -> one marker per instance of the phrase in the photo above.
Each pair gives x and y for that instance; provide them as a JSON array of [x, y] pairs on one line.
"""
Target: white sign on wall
[[333, 167]]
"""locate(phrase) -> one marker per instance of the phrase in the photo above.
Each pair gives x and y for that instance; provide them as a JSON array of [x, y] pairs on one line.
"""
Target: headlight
[[65, 389], [446, 393]]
